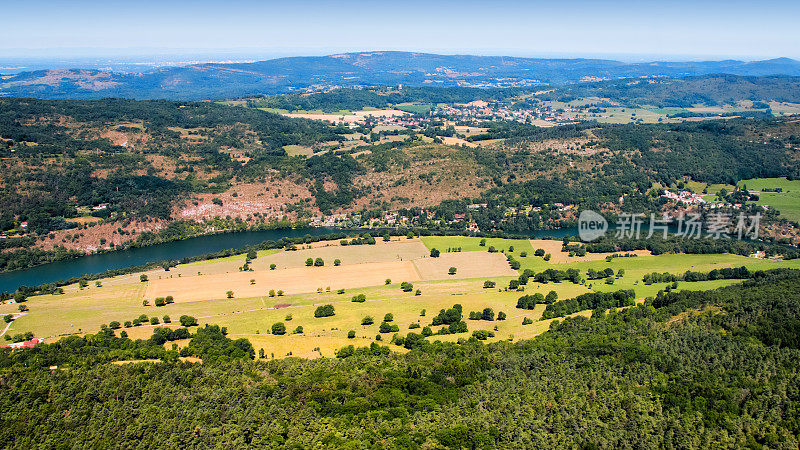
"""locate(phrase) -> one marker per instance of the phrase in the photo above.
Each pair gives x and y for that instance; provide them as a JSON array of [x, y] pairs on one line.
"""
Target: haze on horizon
[[622, 29]]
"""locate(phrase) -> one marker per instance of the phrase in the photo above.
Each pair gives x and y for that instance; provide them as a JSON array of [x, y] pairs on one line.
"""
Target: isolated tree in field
[[547, 257], [252, 281], [492, 249], [298, 330], [142, 278], [511, 249], [388, 317], [145, 302], [406, 286], [229, 294], [160, 301], [154, 321], [272, 266], [324, 311], [8, 318], [22, 308], [166, 319], [489, 284], [310, 262], [434, 253], [351, 334], [488, 314], [319, 262], [360, 298], [423, 312], [337, 262], [288, 318], [452, 270], [367, 320], [169, 299], [388, 281], [482, 243], [538, 252], [128, 324], [278, 328], [187, 321], [523, 254], [527, 321], [418, 293], [272, 293], [501, 316], [280, 293], [114, 325]]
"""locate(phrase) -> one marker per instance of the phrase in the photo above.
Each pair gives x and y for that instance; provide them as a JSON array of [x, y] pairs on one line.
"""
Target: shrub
[[388, 328], [298, 330], [388, 281], [360, 298], [229, 294], [367, 320], [527, 321], [288, 318], [169, 299], [337, 262], [142, 278], [280, 293], [547, 257], [272, 266], [340, 291], [414, 325], [452, 271], [272, 292], [523, 254], [418, 292], [310, 262], [434, 253], [278, 328], [489, 284], [114, 325], [324, 311], [187, 321], [154, 321], [166, 319]]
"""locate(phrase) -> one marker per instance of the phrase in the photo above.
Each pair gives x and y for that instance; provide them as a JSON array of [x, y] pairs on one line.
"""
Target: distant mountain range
[[282, 75]]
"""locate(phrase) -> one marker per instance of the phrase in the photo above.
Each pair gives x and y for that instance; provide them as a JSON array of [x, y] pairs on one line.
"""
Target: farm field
[[200, 289], [787, 201]]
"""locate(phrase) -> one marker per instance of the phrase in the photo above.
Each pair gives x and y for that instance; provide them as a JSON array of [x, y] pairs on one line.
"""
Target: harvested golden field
[[559, 257], [291, 281]]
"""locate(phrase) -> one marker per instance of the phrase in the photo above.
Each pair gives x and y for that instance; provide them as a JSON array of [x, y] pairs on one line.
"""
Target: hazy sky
[[685, 28]]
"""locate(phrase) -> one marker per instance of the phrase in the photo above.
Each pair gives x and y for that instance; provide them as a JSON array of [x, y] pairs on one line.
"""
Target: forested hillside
[[687, 369]]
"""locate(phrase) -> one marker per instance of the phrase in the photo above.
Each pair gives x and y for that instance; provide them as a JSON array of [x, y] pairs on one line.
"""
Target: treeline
[[590, 301], [727, 273]]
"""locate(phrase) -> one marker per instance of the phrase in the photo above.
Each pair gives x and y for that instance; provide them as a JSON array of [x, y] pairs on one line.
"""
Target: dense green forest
[[685, 369]]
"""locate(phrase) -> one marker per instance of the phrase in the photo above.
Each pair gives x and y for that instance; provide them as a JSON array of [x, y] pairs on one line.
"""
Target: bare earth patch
[[468, 265]]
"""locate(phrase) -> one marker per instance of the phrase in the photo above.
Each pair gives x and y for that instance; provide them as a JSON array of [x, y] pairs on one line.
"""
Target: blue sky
[[625, 29]]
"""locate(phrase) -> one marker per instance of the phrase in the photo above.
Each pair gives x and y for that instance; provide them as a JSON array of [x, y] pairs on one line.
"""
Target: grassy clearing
[[252, 315], [472, 244], [787, 201]]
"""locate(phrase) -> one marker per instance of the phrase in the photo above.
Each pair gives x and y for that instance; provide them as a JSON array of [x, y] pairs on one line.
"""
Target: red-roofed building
[[24, 344]]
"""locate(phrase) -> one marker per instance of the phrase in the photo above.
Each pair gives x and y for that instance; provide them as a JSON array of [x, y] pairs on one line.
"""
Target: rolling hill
[[282, 75]]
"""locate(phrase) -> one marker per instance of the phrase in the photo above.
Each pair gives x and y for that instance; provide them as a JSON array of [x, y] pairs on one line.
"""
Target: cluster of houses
[[686, 197], [480, 111]]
